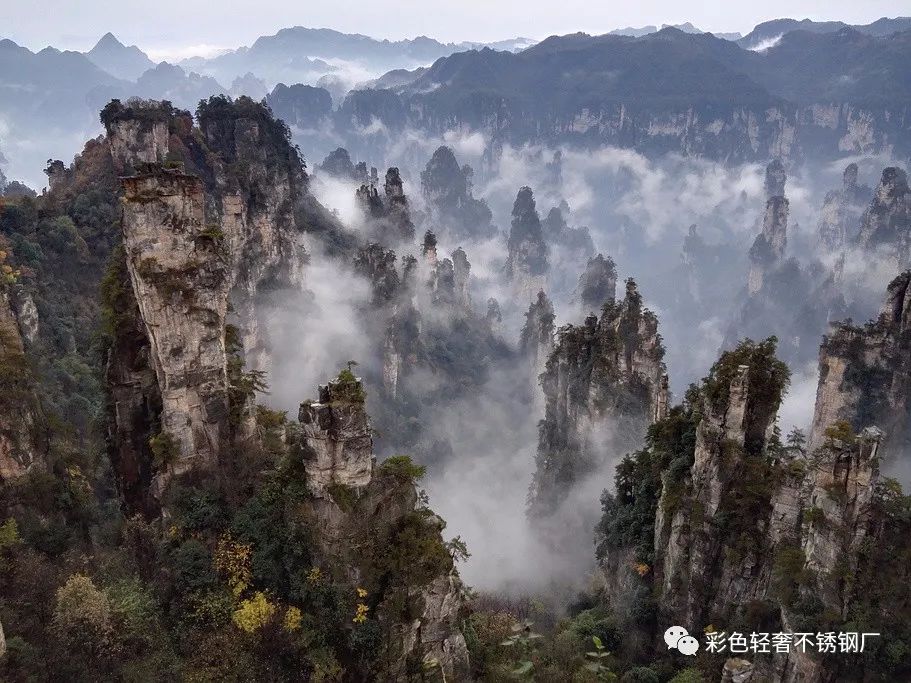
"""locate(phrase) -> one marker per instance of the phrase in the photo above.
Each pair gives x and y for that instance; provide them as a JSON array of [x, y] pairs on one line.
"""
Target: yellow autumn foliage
[[253, 613], [361, 615], [293, 619], [9, 534], [232, 561]]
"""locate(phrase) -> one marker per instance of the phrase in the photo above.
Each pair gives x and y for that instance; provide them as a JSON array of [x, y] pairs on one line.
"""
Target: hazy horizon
[[202, 31]]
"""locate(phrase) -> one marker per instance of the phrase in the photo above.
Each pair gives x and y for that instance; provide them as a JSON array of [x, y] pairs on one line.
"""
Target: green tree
[[522, 642], [83, 621]]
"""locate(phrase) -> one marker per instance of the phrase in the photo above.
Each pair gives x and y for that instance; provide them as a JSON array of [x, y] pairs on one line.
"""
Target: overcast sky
[[170, 27]]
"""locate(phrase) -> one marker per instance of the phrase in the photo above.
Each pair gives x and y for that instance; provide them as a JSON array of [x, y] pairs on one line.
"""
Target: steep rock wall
[[207, 234], [597, 284], [841, 212], [338, 445], [865, 373], [740, 134], [181, 283], [751, 534], [361, 509], [887, 221], [604, 383], [768, 249], [527, 261], [703, 568], [537, 338], [21, 440]]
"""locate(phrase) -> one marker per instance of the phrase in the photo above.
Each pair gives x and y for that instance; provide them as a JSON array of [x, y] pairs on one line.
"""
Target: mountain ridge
[[121, 61], [775, 28]]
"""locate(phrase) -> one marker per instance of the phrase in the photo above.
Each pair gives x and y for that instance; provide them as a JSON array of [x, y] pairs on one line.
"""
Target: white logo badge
[[678, 638]]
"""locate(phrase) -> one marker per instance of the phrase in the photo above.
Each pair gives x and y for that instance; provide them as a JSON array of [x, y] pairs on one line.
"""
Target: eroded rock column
[[175, 264], [338, 445]]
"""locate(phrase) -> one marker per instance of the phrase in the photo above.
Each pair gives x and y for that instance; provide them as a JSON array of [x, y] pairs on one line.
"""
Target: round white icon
[[678, 637], [673, 634], [688, 645]]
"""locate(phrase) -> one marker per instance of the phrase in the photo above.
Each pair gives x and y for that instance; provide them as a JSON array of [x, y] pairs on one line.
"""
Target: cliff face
[[447, 189], [494, 317], [141, 136], [887, 221], [398, 204], [740, 133], [818, 506], [767, 251], [26, 312], [598, 284], [134, 396], [336, 436], [603, 384], [20, 415], [566, 240], [750, 534], [198, 243], [301, 105], [537, 339], [865, 374], [705, 565], [841, 212], [392, 315], [526, 265], [429, 348], [369, 515], [181, 284], [461, 272], [840, 487], [389, 216], [203, 235], [767, 305]]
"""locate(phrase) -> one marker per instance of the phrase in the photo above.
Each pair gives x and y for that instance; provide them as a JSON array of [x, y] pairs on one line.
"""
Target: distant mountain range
[[673, 68], [686, 27], [294, 55], [49, 100], [128, 63], [812, 93], [769, 31], [49, 87]]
